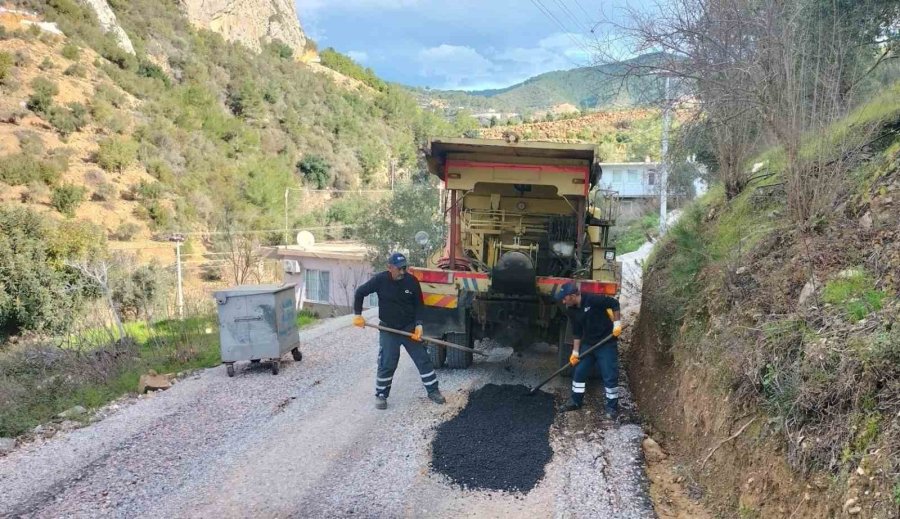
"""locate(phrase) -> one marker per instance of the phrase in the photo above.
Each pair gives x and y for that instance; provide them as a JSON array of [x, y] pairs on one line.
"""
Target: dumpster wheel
[[229, 368], [276, 366], [298, 356]]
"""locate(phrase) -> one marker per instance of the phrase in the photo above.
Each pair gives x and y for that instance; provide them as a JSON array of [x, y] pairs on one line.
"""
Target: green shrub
[[151, 70], [68, 119], [116, 153], [6, 66], [66, 198], [346, 66], [107, 117], [46, 64], [76, 70], [22, 168], [855, 292], [104, 192], [37, 292], [110, 94], [42, 98], [126, 231], [315, 171], [281, 49], [22, 59], [159, 215], [148, 190], [70, 51], [30, 142], [35, 192]]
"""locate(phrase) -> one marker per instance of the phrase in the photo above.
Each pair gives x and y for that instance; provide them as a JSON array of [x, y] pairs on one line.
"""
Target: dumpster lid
[[252, 290]]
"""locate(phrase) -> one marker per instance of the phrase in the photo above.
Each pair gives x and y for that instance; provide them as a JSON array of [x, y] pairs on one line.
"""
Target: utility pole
[[286, 227], [179, 240], [664, 164], [391, 162]]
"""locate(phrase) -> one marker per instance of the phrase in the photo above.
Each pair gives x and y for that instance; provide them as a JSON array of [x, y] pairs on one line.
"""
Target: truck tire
[[457, 359], [438, 355], [565, 348]]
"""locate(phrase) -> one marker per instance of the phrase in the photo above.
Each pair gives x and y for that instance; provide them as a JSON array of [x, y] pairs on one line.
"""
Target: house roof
[[632, 164], [345, 250]]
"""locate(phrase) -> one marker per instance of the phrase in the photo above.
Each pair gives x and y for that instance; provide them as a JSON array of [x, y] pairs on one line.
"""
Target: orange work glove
[[617, 325], [359, 321], [417, 334], [573, 359]]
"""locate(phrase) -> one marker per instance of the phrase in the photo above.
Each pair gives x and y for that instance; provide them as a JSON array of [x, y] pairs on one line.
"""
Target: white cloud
[[359, 56], [455, 66], [311, 7]]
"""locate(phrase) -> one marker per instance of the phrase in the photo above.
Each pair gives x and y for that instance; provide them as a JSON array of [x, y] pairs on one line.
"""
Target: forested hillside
[[586, 88], [190, 131]]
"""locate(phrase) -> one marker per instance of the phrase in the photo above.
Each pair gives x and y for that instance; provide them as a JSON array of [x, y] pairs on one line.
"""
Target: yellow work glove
[[617, 325], [417, 334], [358, 320], [573, 359]]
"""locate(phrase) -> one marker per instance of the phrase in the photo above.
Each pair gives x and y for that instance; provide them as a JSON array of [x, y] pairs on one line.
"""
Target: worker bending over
[[594, 318], [399, 307]]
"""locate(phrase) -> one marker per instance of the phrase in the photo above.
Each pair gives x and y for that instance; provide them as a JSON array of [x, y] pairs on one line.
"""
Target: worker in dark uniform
[[594, 317], [400, 307]]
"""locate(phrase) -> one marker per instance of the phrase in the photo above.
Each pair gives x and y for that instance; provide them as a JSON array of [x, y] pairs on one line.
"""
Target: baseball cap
[[566, 290], [397, 260]]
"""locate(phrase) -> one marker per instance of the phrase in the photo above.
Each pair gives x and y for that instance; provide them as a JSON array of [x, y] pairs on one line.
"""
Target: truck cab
[[523, 219]]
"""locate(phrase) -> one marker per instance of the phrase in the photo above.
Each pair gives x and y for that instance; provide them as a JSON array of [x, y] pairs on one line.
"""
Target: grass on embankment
[[40, 379], [630, 237], [825, 367]]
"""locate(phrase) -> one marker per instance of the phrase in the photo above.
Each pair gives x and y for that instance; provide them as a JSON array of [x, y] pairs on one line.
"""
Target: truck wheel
[[276, 366], [565, 349], [438, 355], [457, 359], [229, 368]]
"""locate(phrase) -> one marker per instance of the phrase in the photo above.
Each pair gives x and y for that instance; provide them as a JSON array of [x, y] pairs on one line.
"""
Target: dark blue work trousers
[[605, 360], [389, 356]]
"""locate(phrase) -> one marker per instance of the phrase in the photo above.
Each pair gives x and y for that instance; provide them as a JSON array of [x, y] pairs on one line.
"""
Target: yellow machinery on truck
[[524, 218]]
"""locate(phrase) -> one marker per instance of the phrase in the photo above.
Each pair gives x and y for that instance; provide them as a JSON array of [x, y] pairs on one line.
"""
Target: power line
[[549, 14], [578, 22], [583, 10]]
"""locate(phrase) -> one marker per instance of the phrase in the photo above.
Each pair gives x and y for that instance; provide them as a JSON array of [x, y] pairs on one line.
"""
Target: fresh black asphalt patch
[[499, 441]]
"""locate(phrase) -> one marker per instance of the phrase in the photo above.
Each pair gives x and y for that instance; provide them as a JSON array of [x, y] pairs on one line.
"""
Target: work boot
[[436, 397], [380, 402], [570, 405], [612, 409]]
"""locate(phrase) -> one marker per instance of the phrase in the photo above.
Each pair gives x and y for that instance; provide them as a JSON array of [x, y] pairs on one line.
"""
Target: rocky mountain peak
[[251, 22]]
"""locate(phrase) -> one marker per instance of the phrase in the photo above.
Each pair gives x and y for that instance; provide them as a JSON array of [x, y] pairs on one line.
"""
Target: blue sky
[[464, 44]]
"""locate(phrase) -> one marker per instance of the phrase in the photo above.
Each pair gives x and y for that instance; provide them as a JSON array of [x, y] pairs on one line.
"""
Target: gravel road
[[309, 443]]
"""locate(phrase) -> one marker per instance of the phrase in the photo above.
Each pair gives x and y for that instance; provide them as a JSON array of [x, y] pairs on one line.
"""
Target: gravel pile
[[499, 441]]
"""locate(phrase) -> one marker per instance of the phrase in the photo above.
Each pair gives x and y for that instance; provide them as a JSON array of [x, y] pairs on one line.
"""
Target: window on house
[[651, 178], [634, 177], [318, 286]]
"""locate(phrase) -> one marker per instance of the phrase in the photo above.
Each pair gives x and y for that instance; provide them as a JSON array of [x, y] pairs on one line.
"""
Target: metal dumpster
[[256, 323]]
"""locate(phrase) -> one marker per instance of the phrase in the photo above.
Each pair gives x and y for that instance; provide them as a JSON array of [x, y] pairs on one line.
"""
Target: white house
[[636, 183], [326, 275]]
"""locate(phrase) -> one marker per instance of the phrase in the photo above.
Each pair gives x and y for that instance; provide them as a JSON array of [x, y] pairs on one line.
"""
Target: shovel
[[427, 339], [560, 370]]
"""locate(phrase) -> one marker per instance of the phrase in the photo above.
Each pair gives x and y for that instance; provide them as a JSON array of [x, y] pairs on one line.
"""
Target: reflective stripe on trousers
[[389, 356]]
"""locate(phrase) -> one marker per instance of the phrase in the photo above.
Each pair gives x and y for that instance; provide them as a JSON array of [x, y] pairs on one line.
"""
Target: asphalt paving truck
[[523, 219]]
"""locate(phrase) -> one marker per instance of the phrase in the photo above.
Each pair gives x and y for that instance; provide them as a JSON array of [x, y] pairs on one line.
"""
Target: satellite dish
[[305, 239], [422, 238]]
